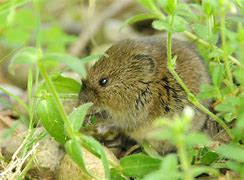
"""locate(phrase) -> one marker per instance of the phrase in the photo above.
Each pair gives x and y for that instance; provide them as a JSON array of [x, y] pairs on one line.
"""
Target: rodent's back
[[189, 65]]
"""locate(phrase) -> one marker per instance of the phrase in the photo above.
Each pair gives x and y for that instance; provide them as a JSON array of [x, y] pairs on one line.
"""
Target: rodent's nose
[[83, 97]]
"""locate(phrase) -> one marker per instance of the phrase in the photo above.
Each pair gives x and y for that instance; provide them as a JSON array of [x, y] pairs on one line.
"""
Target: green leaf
[[198, 170], [214, 54], [14, 36], [27, 55], [138, 165], [208, 91], [209, 7], [51, 120], [237, 167], [169, 163], [162, 134], [20, 32], [217, 73], [141, 17], [149, 4], [161, 25], [72, 62], [180, 24], [226, 91], [240, 4], [228, 105], [232, 151], [228, 117], [169, 6], [116, 175], [6, 6], [92, 57], [200, 30], [65, 87], [50, 36], [240, 121], [209, 157], [95, 147], [197, 139], [73, 148], [185, 11], [149, 150], [238, 73], [196, 8], [168, 169], [78, 115], [76, 64]]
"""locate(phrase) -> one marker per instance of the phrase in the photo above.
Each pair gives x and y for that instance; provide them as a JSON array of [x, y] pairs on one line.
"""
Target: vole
[[131, 86]]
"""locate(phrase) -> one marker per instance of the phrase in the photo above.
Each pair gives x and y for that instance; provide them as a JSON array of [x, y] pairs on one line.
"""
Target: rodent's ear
[[146, 61]]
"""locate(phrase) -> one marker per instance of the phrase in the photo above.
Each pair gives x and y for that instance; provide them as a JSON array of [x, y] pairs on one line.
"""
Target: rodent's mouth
[[98, 113], [103, 115]]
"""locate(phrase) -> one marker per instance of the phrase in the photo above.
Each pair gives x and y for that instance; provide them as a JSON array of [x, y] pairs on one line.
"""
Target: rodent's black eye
[[103, 82]]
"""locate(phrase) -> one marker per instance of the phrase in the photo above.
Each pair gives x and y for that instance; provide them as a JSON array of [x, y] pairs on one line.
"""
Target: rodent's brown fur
[[140, 88]]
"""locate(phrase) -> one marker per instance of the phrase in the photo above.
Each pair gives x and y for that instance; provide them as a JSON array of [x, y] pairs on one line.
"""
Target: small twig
[[22, 173], [94, 23], [17, 163]]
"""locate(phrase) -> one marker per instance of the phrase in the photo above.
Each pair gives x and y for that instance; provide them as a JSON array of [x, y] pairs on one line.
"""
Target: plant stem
[[224, 47], [169, 51], [52, 89], [27, 167], [191, 97], [30, 98], [210, 22], [43, 72], [184, 161]]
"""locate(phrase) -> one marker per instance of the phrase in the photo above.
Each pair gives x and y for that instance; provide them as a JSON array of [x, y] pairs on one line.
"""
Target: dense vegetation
[[32, 38]]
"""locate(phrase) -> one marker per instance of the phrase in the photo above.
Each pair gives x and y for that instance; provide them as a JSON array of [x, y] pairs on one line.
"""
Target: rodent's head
[[119, 81]]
